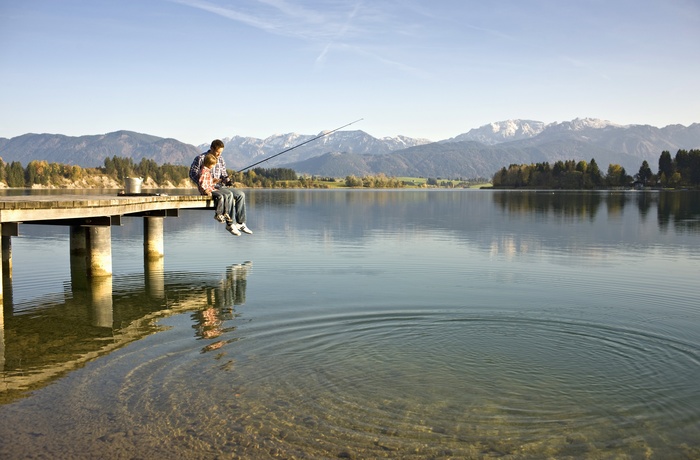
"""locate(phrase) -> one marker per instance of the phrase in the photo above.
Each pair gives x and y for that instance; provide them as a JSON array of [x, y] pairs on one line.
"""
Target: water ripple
[[413, 384]]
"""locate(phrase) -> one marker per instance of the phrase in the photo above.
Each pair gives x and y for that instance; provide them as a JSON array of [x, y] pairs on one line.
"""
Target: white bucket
[[133, 184]]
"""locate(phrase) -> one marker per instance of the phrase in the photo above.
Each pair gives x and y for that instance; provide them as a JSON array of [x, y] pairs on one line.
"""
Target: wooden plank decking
[[89, 218], [56, 207]]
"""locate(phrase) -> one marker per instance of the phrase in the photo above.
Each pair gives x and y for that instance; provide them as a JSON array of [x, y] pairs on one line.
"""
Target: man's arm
[[221, 171]]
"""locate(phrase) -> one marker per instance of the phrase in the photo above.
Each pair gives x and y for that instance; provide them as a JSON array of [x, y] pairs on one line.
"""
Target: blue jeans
[[219, 199], [233, 203]]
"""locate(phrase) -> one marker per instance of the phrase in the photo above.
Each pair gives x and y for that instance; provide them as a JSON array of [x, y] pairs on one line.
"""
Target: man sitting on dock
[[222, 183]]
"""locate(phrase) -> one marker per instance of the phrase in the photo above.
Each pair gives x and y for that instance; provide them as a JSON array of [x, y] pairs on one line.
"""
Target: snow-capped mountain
[[515, 130], [582, 124], [242, 151], [478, 152], [484, 150], [502, 131]]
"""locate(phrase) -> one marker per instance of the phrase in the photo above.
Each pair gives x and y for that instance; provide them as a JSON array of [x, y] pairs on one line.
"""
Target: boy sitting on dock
[[207, 186], [234, 200]]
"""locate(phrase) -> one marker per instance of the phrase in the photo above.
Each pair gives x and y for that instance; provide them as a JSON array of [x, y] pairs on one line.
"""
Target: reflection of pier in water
[[89, 219], [42, 344]]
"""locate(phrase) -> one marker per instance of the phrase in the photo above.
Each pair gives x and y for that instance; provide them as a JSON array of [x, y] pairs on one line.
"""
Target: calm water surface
[[366, 324]]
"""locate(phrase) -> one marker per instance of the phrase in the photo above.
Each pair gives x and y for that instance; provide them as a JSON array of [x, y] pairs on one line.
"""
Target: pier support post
[[78, 258], [153, 238], [2, 336], [2, 339], [1, 270], [155, 278], [101, 301], [7, 256], [99, 251], [2, 322], [86, 249], [153, 256]]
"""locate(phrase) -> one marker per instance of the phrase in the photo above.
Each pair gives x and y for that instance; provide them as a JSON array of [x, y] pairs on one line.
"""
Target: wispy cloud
[[295, 11], [339, 35], [347, 27], [278, 17], [251, 20]]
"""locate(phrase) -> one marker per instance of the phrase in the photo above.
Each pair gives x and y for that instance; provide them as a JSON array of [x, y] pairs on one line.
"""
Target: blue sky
[[196, 70]]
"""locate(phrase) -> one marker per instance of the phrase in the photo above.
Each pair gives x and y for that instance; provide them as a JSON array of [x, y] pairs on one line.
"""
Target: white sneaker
[[233, 230], [220, 218], [244, 229]]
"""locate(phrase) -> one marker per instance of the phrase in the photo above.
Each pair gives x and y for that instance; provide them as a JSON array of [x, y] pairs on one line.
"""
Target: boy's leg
[[228, 201], [219, 202]]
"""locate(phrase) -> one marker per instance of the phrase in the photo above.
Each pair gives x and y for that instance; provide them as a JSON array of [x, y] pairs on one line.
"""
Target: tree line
[[39, 172], [683, 170], [43, 173]]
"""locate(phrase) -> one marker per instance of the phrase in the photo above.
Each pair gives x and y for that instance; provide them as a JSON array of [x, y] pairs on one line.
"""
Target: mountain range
[[479, 152]]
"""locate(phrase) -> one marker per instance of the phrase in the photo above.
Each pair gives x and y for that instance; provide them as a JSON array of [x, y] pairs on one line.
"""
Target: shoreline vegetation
[[39, 174], [682, 171]]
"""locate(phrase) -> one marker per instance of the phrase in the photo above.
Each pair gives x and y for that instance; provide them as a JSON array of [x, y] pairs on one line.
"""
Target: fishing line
[[299, 145]]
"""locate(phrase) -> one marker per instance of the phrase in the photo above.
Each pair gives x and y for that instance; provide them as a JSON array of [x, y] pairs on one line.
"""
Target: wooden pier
[[89, 218]]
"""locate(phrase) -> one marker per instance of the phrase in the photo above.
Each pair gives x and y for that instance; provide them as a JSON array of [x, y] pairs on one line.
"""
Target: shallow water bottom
[[387, 384]]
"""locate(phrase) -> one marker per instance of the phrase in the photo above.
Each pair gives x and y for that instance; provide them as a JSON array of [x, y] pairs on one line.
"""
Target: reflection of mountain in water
[[55, 337]]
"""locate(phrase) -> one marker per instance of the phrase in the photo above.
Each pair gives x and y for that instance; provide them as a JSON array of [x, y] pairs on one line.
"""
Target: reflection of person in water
[[209, 322]]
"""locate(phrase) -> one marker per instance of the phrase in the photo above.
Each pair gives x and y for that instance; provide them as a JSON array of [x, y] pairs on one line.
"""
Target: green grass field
[[409, 182]]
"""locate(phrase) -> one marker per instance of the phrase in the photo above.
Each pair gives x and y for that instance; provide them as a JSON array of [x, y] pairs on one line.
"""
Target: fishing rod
[[299, 145]]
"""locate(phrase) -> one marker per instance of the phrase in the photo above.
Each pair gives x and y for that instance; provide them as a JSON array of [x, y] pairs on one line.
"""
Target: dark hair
[[216, 144]]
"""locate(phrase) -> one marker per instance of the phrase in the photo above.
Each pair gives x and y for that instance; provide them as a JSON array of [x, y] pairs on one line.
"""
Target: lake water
[[366, 324]]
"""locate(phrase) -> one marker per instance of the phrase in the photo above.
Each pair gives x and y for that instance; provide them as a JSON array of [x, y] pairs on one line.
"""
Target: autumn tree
[[353, 181], [616, 176]]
